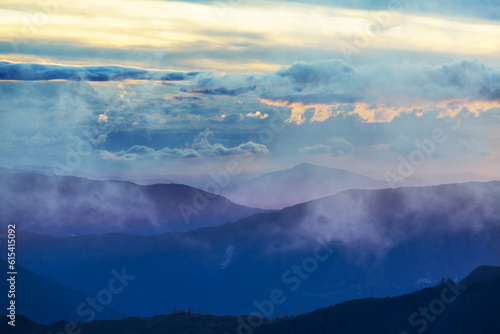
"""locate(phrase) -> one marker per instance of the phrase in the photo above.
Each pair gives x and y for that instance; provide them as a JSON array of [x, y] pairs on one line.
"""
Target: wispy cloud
[[193, 35]]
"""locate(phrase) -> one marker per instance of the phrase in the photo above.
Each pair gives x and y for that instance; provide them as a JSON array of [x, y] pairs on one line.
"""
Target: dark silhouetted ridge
[[469, 309], [480, 274]]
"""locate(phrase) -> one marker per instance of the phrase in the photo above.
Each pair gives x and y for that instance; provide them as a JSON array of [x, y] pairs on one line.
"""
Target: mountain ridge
[[301, 183], [360, 316], [33, 293], [373, 233], [67, 205]]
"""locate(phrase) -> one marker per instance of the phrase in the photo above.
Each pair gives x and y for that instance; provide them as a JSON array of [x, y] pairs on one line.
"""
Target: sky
[[137, 89]]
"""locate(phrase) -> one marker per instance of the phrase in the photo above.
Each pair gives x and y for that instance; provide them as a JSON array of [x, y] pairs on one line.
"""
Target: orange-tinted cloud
[[380, 112]]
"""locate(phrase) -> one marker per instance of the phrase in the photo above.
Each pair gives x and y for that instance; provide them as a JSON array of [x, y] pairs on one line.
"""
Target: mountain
[[455, 178], [172, 324], [443, 309], [44, 301], [354, 244], [23, 326], [300, 184], [66, 205], [481, 274], [451, 308]]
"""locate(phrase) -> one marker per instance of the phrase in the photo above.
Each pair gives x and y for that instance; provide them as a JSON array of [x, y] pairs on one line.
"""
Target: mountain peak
[[302, 183], [306, 165], [480, 274]]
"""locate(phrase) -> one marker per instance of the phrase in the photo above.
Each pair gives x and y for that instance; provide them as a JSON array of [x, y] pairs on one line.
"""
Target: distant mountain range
[[371, 243], [468, 307], [45, 301], [300, 184], [282, 188], [455, 178], [64, 205]]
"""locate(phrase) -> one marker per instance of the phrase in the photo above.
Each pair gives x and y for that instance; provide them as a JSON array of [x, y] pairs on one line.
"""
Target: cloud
[[200, 147], [225, 91], [317, 73], [338, 147], [376, 220], [25, 71], [377, 92], [103, 118], [286, 31], [257, 114], [335, 81], [156, 126], [231, 119], [482, 8], [329, 88]]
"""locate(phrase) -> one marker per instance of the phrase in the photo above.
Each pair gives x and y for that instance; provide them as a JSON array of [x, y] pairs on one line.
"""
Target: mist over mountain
[[200, 165], [300, 184], [64, 205], [371, 243]]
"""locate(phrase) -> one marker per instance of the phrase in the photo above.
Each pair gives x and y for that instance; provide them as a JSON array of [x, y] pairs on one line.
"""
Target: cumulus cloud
[[126, 122], [376, 92], [317, 73], [338, 147], [26, 71], [200, 147]]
